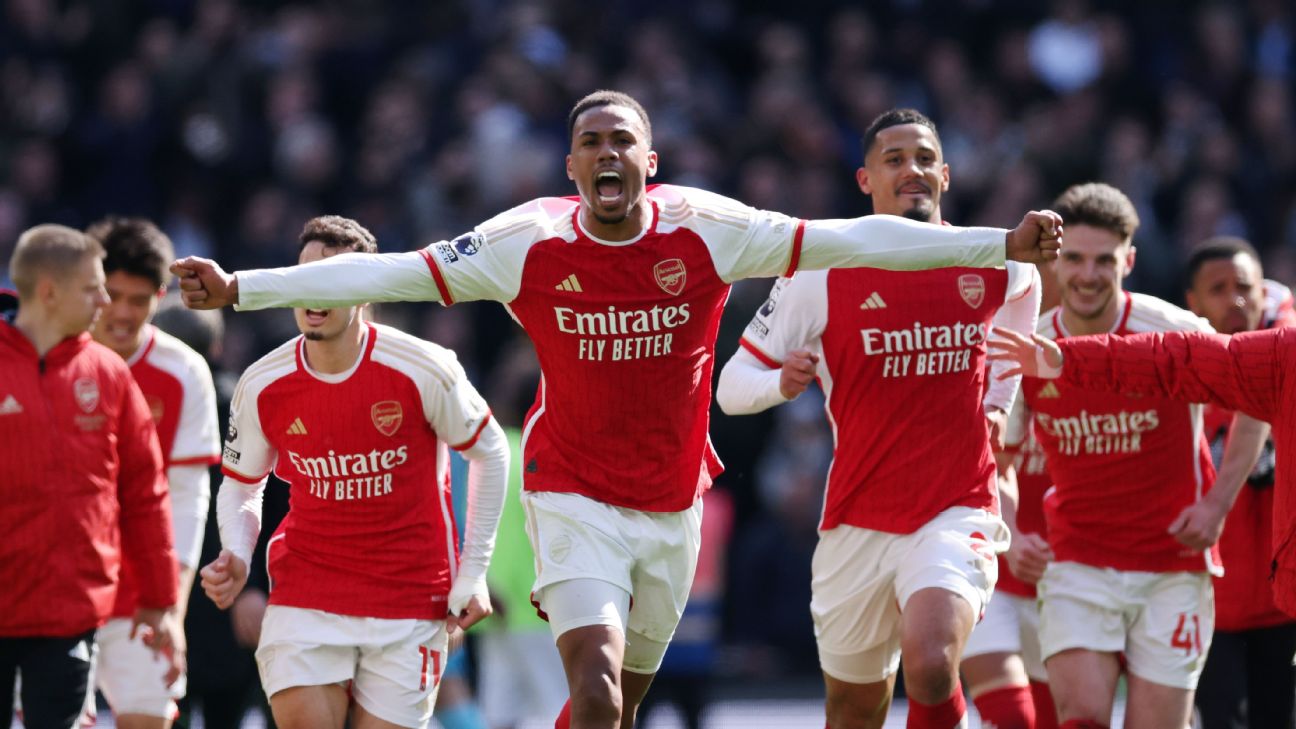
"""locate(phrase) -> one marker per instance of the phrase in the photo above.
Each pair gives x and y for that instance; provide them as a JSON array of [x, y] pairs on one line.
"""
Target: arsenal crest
[[86, 391], [387, 416], [670, 275], [972, 289]]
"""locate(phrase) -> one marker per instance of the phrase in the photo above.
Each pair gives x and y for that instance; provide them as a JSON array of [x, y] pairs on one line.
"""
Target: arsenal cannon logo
[[387, 416], [670, 275], [972, 289]]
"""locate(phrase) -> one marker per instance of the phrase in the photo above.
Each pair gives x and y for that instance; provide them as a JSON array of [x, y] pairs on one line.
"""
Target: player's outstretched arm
[[895, 243], [343, 280], [488, 465]]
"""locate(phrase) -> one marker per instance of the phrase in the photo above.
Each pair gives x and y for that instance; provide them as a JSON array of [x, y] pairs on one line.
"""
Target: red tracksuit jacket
[[1254, 372], [81, 487]]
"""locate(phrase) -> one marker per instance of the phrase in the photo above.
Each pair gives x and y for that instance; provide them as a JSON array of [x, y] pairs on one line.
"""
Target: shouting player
[[906, 557], [1131, 569], [366, 581], [621, 289], [178, 387]]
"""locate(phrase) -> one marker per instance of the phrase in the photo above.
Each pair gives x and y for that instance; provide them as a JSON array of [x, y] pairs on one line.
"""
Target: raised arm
[[1243, 372], [890, 242], [343, 280]]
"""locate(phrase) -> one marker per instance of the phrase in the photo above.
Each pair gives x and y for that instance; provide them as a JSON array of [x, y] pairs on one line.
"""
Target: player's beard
[[922, 212]]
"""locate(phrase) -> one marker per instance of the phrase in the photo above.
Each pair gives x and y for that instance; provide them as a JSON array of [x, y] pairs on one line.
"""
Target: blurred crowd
[[231, 123]]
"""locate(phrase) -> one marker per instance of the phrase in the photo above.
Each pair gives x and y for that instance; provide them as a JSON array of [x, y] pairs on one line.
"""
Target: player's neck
[[336, 355], [632, 226], [39, 330], [1104, 323]]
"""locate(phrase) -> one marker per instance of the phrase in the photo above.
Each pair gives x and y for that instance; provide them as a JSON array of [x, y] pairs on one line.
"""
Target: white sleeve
[[748, 385], [1019, 423], [248, 455], [197, 439], [343, 280], [238, 514], [190, 488], [488, 466], [898, 244], [454, 408], [1020, 312], [793, 317]]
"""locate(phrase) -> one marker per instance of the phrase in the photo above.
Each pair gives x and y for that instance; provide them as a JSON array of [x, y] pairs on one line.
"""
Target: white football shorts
[[1010, 625], [1162, 621], [393, 667], [863, 578], [131, 676], [650, 555]]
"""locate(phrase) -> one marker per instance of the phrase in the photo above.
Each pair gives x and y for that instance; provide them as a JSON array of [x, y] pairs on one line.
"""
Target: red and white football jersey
[[1123, 466], [624, 330], [370, 528], [177, 384], [902, 365]]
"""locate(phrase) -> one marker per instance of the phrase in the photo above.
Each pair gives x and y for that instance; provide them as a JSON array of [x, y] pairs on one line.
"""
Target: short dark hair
[[606, 97], [1099, 205], [49, 250], [335, 231], [895, 118], [135, 246], [1220, 247]]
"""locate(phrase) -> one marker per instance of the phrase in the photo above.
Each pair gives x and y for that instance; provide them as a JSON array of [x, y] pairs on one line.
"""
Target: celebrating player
[[621, 290], [1130, 575], [178, 388], [366, 581], [905, 562]]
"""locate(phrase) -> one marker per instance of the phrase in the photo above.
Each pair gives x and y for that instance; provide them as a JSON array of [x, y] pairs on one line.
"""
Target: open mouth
[[316, 317], [609, 188]]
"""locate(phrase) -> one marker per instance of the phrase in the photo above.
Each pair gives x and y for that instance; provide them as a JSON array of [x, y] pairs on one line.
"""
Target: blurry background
[[231, 123]]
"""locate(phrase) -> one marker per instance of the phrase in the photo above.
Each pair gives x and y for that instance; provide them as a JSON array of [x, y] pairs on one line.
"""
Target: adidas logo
[[1049, 390], [874, 301], [570, 284], [297, 428], [10, 406]]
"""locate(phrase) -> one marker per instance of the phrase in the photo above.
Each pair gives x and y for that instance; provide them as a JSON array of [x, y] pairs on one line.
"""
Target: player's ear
[[945, 178], [1129, 258], [1194, 303], [652, 163], [570, 176], [862, 179]]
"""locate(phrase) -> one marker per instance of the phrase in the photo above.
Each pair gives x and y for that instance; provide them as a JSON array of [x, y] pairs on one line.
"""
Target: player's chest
[[363, 413], [658, 285], [873, 298], [1070, 421]]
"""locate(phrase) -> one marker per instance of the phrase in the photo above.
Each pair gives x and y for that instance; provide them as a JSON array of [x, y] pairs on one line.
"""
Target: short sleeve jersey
[[177, 385], [370, 528], [624, 331], [1123, 466], [902, 362]]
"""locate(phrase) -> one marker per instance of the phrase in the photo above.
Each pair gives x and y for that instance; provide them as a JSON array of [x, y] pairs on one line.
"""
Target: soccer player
[[177, 386], [905, 562], [365, 577], [1249, 679], [81, 481], [621, 289], [1131, 568]]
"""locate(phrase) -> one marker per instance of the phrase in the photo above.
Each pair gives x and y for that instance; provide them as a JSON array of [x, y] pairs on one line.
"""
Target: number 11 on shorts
[[1187, 636], [425, 653]]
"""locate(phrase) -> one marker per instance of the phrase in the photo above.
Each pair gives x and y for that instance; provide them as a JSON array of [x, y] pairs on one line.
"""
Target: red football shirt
[[1123, 466], [177, 386], [902, 363], [370, 528]]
